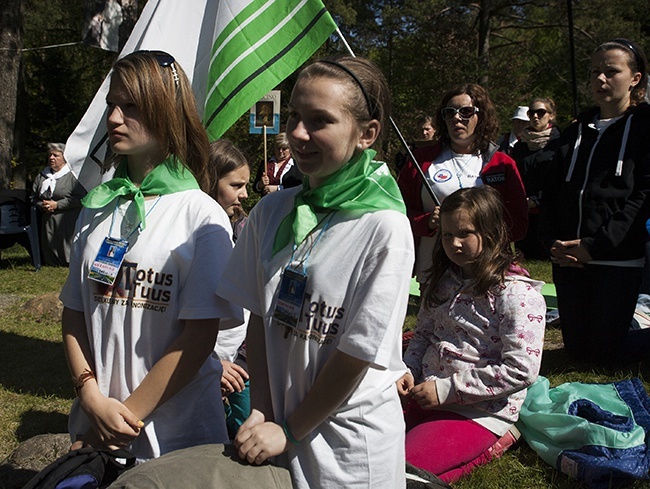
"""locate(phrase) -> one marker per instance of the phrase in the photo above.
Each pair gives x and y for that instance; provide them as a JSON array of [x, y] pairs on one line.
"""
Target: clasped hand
[[233, 379], [113, 424], [425, 393], [570, 253], [258, 440]]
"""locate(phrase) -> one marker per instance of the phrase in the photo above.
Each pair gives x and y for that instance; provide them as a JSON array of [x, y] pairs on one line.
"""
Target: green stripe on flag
[[260, 47]]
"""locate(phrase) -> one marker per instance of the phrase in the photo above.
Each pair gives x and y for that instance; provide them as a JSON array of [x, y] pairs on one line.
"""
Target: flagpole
[[399, 134], [266, 163]]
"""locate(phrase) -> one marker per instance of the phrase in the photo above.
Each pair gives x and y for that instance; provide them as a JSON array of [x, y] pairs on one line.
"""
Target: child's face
[[460, 240], [322, 133], [232, 189]]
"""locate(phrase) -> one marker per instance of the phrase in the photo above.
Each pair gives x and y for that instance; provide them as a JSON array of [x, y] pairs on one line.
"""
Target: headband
[[637, 56], [356, 79]]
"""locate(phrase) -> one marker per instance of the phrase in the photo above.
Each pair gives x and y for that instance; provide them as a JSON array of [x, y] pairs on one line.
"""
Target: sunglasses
[[466, 113], [164, 60], [539, 113]]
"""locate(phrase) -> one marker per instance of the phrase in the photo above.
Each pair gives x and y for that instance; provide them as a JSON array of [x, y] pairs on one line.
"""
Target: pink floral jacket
[[481, 351]]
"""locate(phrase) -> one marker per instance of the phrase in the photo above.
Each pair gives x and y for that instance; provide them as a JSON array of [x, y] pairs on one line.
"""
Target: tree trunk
[[11, 43], [484, 41]]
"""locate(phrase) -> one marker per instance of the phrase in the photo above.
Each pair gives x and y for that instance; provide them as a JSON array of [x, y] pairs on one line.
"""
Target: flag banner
[[266, 112], [246, 46], [257, 45]]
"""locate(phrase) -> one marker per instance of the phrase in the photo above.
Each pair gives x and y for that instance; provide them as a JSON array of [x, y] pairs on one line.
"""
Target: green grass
[[36, 392], [35, 387]]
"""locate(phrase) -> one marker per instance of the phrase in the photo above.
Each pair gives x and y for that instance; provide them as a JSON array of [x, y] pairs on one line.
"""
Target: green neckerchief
[[361, 184], [168, 177]]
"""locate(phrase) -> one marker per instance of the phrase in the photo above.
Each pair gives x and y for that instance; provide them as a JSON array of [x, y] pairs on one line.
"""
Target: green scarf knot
[[361, 184], [168, 177]]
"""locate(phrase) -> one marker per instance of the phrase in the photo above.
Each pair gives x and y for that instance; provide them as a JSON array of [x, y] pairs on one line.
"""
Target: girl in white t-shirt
[[477, 343], [324, 269], [140, 318]]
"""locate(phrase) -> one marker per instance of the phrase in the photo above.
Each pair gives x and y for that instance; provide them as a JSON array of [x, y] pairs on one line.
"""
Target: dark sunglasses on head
[[539, 113], [466, 113], [164, 60]]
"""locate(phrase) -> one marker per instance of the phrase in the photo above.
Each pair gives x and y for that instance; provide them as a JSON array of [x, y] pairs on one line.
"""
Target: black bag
[[86, 468]]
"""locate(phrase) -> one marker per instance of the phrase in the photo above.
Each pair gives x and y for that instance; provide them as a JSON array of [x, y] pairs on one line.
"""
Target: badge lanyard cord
[[138, 227], [303, 262]]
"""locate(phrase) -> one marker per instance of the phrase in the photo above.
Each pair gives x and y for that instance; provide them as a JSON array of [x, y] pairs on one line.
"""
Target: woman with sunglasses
[[465, 156], [533, 154], [141, 318], [594, 210]]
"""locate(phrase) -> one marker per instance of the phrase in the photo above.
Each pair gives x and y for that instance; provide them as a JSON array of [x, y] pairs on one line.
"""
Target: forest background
[[517, 49]]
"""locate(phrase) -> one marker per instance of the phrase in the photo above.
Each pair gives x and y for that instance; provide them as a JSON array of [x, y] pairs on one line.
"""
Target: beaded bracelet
[[288, 434]]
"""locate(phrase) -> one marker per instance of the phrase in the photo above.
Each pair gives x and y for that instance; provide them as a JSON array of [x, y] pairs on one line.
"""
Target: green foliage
[[59, 82]]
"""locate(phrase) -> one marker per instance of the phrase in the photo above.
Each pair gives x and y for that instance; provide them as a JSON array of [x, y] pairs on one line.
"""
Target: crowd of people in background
[[188, 322]]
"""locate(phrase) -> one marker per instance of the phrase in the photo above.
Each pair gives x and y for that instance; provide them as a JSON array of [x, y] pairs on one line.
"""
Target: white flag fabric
[[236, 41]]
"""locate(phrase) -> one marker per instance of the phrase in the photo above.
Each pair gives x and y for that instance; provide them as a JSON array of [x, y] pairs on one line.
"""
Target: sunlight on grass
[[36, 392]]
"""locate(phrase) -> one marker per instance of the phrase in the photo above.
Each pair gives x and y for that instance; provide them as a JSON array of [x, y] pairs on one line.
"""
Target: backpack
[[85, 468]]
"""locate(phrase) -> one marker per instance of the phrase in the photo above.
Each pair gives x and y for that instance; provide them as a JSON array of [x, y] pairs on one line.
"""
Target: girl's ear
[[636, 79], [369, 135]]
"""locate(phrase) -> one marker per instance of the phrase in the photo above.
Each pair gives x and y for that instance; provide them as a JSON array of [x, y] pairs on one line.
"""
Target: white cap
[[521, 113]]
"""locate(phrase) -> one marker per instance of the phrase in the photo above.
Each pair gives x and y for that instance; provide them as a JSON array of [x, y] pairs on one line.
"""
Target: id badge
[[108, 261], [290, 298]]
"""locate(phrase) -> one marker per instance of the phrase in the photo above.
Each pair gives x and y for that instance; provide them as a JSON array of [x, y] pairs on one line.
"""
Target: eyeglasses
[[466, 113], [538, 112], [164, 60]]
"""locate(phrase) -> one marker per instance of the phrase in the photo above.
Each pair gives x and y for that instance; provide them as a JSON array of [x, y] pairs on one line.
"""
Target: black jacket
[[532, 164], [597, 199]]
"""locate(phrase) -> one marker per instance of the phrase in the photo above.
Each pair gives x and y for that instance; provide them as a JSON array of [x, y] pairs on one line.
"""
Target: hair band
[[628, 44], [355, 78]]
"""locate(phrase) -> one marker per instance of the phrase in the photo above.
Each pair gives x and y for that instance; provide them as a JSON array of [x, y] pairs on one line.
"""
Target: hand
[[90, 439], [49, 206], [265, 179], [426, 394], [112, 422], [258, 439], [405, 384], [569, 253], [233, 378], [268, 189], [434, 219]]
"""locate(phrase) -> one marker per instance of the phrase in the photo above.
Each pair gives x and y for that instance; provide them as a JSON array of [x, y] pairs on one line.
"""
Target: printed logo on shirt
[[442, 176], [495, 178], [137, 288], [319, 321]]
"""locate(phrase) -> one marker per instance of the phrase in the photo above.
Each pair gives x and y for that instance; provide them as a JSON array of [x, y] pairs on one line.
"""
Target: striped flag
[[258, 44], [233, 51]]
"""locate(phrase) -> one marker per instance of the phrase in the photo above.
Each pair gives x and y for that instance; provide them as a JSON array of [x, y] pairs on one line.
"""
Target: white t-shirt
[[169, 274], [449, 172], [355, 301]]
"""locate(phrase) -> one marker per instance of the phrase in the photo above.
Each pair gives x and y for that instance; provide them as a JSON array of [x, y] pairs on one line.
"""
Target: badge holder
[[108, 261], [293, 286]]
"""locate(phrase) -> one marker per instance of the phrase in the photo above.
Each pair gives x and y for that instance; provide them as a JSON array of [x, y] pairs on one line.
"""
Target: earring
[[359, 146]]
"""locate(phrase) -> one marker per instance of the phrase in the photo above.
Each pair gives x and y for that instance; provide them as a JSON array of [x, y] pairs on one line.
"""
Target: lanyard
[[302, 264], [138, 227]]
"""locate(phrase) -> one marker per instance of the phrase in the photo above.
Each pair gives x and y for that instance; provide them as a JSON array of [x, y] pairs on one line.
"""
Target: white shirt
[[169, 274], [356, 296]]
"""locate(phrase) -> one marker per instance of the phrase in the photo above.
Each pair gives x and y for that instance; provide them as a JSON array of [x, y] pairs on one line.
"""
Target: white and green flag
[[257, 45], [233, 51]]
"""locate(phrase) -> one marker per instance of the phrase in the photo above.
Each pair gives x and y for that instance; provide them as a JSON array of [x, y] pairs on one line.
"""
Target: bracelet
[[79, 382], [288, 434]]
